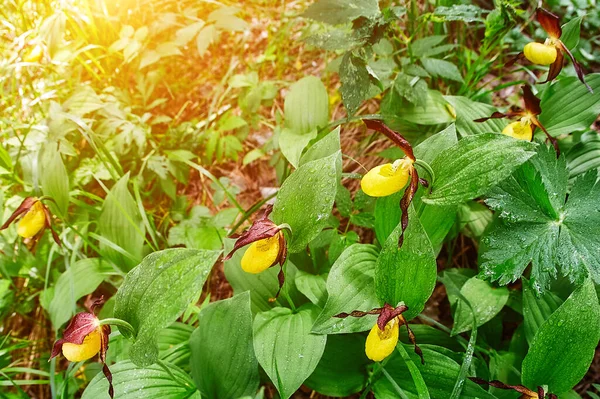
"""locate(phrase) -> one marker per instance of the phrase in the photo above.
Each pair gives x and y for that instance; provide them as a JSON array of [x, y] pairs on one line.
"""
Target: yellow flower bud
[[261, 254], [541, 54], [387, 179], [33, 221], [519, 130], [381, 344], [88, 349]]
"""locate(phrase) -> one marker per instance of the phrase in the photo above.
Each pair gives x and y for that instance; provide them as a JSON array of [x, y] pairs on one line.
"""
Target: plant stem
[[428, 169], [119, 323]]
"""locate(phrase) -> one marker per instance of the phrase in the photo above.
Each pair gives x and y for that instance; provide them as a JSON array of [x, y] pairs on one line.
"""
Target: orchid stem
[[119, 323], [427, 168]]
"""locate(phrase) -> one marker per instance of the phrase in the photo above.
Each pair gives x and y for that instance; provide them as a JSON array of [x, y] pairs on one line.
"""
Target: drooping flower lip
[[80, 326], [531, 112], [526, 392], [262, 228], [551, 24], [25, 207], [413, 185], [386, 314]]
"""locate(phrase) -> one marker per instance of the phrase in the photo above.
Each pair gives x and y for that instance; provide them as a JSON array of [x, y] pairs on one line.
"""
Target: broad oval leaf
[[340, 11], [350, 286], [157, 291], [536, 310], [342, 370], [468, 110], [152, 382], [486, 302], [585, 155], [285, 347], [223, 362], [474, 165], [54, 179], [568, 106], [406, 274], [439, 373], [305, 200], [306, 106], [121, 224], [564, 345], [82, 278]]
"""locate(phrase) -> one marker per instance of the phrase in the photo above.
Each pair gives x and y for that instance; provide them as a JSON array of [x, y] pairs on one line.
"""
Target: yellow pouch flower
[[88, 349], [261, 254], [387, 179], [33, 221], [519, 130], [540, 53], [381, 344]]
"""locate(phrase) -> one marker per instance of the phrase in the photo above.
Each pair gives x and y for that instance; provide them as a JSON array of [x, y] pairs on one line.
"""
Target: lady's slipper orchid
[[83, 338], [524, 128], [525, 392], [267, 248], [384, 335], [35, 219], [388, 179], [551, 52]]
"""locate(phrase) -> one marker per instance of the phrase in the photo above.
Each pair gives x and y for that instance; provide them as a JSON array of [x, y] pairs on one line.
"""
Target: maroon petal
[[550, 138], [501, 385], [388, 313], [577, 67], [412, 338], [396, 137], [23, 208], [81, 325], [555, 67], [49, 225], [358, 313], [108, 375], [281, 280], [519, 58], [262, 228], [407, 198], [550, 22], [500, 115], [532, 103], [103, 348]]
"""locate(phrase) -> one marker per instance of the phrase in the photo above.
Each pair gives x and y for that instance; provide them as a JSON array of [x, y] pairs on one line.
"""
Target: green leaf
[[436, 110], [82, 278], [342, 370], [536, 225], [467, 111], [441, 68], [423, 47], [157, 291], [568, 106], [536, 310], [152, 382], [350, 286], [305, 200], [312, 286], [486, 302], [121, 224], [292, 144], [439, 372], [306, 106], [328, 145], [584, 155], [355, 81], [407, 274], [564, 346], [336, 12], [223, 361], [458, 12], [285, 347], [474, 165], [571, 32], [54, 178]]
